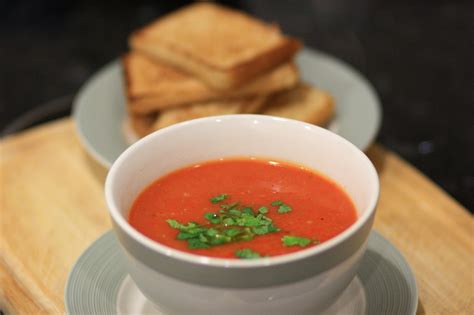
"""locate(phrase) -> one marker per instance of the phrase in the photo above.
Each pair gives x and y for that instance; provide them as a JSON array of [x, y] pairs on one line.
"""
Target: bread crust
[[203, 53], [224, 107], [155, 86], [304, 102]]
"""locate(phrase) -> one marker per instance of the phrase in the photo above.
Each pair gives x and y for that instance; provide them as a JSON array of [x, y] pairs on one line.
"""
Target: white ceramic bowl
[[299, 283]]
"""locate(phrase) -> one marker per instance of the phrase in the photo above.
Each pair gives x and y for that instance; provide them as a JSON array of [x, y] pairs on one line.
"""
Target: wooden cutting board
[[52, 208]]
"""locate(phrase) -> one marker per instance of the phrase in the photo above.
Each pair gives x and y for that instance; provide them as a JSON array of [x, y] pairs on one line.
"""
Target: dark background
[[419, 55]]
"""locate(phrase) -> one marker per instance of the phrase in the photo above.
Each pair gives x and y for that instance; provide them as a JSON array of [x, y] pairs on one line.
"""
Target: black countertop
[[417, 54]]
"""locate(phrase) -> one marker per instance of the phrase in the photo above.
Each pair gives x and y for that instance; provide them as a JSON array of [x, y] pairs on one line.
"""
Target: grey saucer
[[98, 283], [99, 107]]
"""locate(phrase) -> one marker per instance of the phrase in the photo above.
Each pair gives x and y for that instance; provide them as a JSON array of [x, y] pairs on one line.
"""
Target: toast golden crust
[[141, 124], [303, 103], [225, 107], [221, 46], [153, 86]]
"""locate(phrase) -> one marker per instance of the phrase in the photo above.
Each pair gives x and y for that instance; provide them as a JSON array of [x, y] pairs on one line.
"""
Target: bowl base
[[131, 301]]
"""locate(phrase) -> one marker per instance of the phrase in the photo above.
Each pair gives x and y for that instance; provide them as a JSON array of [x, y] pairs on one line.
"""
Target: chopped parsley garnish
[[289, 240], [235, 212], [233, 222], [174, 224], [212, 217], [196, 243], [282, 207], [229, 206], [247, 210], [247, 253], [218, 198], [277, 203], [263, 210]]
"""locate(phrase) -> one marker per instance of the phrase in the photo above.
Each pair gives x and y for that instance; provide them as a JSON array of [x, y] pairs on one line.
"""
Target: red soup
[[242, 208]]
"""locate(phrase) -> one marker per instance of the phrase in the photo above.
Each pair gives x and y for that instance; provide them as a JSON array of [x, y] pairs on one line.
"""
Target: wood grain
[[52, 208]]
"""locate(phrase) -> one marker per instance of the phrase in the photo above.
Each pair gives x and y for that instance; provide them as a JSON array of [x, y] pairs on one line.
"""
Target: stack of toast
[[206, 60]]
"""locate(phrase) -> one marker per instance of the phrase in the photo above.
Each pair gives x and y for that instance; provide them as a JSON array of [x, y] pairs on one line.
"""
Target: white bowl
[[303, 282]]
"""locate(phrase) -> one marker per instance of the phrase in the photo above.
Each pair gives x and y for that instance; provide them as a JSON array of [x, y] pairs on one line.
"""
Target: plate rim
[[75, 111], [378, 110]]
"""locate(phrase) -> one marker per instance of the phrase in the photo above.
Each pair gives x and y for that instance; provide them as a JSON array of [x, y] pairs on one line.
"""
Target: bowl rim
[[182, 256]]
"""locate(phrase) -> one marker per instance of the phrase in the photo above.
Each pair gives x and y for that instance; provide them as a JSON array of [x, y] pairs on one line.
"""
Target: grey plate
[[384, 276], [99, 107]]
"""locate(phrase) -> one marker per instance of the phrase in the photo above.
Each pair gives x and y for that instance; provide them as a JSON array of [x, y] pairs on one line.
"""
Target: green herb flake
[[185, 236], [218, 198], [284, 208], [232, 232], [174, 224], [235, 212], [182, 227], [261, 230], [289, 240], [228, 222], [218, 241], [212, 232], [231, 223], [247, 253], [195, 230], [212, 217], [228, 206], [265, 229], [203, 238], [272, 228], [277, 203], [263, 210], [248, 210], [248, 220], [195, 243]]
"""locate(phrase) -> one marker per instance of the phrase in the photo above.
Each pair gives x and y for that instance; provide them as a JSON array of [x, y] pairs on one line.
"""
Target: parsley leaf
[[185, 236], [232, 232], [248, 220], [248, 210], [282, 207], [263, 210], [183, 227], [212, 232], [229, 206], [261, 230], [231, 223], [212, 217], [218, 198], [247, 253], [203, 238], [228, 221], [289, 240], [174, 224], [195, 243], [235, 212]]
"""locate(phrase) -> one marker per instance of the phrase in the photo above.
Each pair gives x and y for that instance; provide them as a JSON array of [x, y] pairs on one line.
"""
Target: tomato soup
[[242, 208]]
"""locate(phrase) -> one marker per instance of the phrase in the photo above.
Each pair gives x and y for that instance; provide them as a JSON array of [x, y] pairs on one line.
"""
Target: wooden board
[[53, 207]]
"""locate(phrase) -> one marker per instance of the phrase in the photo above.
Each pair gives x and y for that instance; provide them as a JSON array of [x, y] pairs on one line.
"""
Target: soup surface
[[242, 208]]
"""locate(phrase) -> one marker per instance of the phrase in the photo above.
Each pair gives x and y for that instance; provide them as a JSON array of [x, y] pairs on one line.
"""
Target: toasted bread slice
[[303, 103], [152, 86], [141, 124], [226, 107], [223, 47]]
